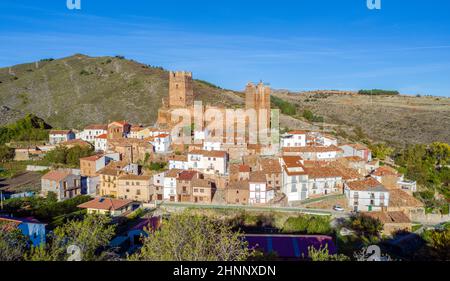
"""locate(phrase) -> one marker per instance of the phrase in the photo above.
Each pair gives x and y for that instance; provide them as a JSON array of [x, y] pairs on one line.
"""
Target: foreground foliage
[[187, 237]]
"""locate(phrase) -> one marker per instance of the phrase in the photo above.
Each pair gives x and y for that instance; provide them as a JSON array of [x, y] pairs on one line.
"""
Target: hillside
[[79, 90], [394, 119]]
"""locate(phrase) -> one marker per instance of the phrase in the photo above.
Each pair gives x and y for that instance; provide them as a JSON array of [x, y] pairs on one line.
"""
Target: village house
[[134, 187], [158, 183], [62, 182], [109, 176], [178, 162], [392, 179], [109, 206], [294, 139], [314, 153], [170, 184], [356, 149], [402, 201], [161, 143], [237, 192], [392, 221], [90, 132], [323, 181], [131, 150], [366, 195], [294, 178], [212, 145], [101, 142], [58, 136], [30, 227], [259, 193], [202, 190], [272, 169], [184, 187], [134, 132], [239, 172], [209, 162], [118, 130]]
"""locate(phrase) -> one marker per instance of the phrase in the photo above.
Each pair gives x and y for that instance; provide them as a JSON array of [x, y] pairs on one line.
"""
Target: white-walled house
[[63, 182], [366, 195], [58, 136], [90, 132], [170, 184], [294, 139], [161, 143], [209, 162], [356, 149], [323, 181], [101, 142], [259, 193], [179, 162], [294, 178], [314, 153]]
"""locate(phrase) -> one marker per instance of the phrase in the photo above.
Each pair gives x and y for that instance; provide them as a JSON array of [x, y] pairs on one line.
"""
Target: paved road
[[257, 208]]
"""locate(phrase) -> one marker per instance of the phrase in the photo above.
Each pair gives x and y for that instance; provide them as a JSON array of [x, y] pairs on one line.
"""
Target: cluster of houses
[[210, 170], [308, 165]]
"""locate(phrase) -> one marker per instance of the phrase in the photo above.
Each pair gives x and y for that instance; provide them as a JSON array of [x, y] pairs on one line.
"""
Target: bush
[[284, 106], [378, 92], [308, 224], [6, 153]]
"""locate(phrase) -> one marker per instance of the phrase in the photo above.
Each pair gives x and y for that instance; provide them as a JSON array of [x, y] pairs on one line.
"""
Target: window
[[138, 192], [202, 190]]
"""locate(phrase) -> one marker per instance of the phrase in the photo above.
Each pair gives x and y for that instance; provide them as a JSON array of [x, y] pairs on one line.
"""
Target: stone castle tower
[[181, 90], [258, 97]]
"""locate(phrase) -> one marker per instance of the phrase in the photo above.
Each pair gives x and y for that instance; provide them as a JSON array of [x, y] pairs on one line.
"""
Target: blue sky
[[296, 45]]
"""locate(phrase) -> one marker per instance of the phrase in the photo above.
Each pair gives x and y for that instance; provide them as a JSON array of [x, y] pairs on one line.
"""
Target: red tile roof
[[367, 184], [92, 158], [186, 175], [102, 136], [244, 168], [108, 204], [210, 153], [56, 175]]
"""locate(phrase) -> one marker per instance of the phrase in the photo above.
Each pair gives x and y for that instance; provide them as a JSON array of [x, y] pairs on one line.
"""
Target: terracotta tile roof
[[400, 198], [56, 175], [162, 136], [97, 127], [346, 173], [385, 171], [354, 158], [210, 153], [118, 123], [368, 184], [187, 175], [257, 176], [312, 149], [389, 217], [201, 183], [244, 168], [323, 172], [172, 173], [60, 132], [92, 158], [109, 204], [134, 177], [292, 161], [136, 128], [270, 166], [102, 136]]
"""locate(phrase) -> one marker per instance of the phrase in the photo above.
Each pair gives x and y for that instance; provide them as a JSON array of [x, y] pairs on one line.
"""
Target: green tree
[[439, 243], [188, 237], [323, 254], [13, 244], [381, 150], [6, 153], [91, 234], [365, 225]]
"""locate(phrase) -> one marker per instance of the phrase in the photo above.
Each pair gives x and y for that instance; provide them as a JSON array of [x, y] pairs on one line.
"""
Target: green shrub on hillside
[[378, 92], [308, 224], [29, 128], [284, 106]]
